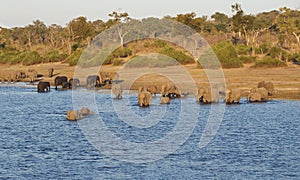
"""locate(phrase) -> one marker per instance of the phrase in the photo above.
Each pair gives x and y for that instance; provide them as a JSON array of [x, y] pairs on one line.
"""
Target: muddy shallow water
[[37, 142]]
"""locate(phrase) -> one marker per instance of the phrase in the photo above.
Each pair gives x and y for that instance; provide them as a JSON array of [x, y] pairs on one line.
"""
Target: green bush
[[278, 53], [268, 62], [227, 55], [122, 52], [118, 62], [247, 59], [160, 61], [243, 49], [74, 57], [30, 58], [180, 56], [55, 56], [263, 48], [208, 60]]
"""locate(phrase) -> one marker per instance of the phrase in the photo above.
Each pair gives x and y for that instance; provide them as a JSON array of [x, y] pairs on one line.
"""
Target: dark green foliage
[[30, 58], [118, 62], [209, 60], [278, 53], [180, 56], [243, 49], [227, 55], [160, 61], [74, 57], [55, 56], [263, 48], [268, 62], [247, 59]]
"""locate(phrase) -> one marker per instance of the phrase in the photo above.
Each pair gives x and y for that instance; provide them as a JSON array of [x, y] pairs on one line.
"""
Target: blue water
[[254, 141]]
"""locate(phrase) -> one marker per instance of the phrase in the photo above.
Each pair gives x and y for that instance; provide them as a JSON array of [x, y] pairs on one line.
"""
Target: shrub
[[122, 52], [278, 53], [247, 59], [118, 62], [208, 60], [263, 48], [74, 57], [54, 56], [151, 61], [30, 58], [243, 49], [268, 62], [180, 56], [227, 55]]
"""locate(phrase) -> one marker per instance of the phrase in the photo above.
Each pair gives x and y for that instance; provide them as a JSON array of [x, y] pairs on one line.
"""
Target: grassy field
[[285, 79]]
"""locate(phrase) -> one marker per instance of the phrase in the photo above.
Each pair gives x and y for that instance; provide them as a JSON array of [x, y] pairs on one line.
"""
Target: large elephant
[[74, 83], [232, 96], [170, 90], [117, 90], [207, 96], [269, 86], [60, 81], [32, 75], [258, 95], [43, 87], [107, 77], [50, 72], [152, 89], [164, 100], [66, 85], [73, 115], [144, 98], [92, 81]]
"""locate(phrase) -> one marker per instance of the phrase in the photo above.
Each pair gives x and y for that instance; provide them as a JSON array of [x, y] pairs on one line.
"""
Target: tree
[[220, 21], [288, 23], [118, 17]]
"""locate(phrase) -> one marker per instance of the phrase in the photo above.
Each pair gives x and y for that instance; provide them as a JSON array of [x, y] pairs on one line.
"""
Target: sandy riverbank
[[286, 80]]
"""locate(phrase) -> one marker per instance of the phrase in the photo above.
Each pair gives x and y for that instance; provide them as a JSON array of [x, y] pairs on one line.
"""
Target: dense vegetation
[[267, 39]]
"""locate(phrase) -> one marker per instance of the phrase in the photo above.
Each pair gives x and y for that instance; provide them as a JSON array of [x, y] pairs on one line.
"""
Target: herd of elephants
[[168, 91]]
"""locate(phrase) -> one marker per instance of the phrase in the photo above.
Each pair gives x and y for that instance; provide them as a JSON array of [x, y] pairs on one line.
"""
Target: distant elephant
[[92, 81], [43, 87], [263, 93], [152, 89], [50, 72], [74, 115], [268, 85], [144, 98], [107, 77], [85, 111], [206, 96], [32, 75], [66, 85], [170, 90], [117, 90], [232, 96], [74, 83], [165, 100], [59, 81]]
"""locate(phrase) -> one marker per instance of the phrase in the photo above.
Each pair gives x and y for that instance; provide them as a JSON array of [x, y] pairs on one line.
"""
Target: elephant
[[66, 85], [117, 90], [74, 83], [43, 87], [165, 100], [85, 111], [170, 90], [152, 89], [268, 85], [50, 72], [107, 77], [261, 91], [92, 81], [60, 81], [32, 75], [74, 115], [232, 96], [144, 98], [205, 96]]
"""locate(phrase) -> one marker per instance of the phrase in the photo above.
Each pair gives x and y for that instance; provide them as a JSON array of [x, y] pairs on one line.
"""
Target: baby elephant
[[43, 87], [144, 98], [73, 115]]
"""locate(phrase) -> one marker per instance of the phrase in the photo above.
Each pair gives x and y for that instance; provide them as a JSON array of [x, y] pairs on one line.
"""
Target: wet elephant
[[74, 83], [117, 90], [170, 90], [92, 81], [60, 81], [232, 96], [258, 95], [144, 98], [269, 86], [43, 87], [207, 96]]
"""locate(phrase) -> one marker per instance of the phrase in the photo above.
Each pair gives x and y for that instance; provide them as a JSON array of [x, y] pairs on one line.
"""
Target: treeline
[[267, 39]]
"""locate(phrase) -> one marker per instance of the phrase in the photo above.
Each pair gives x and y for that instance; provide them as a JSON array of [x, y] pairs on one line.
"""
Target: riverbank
[[286, 79]]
